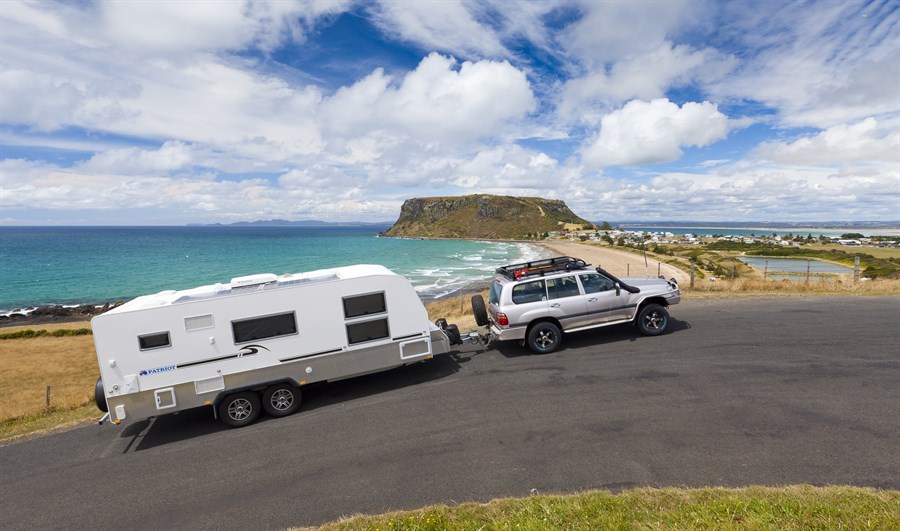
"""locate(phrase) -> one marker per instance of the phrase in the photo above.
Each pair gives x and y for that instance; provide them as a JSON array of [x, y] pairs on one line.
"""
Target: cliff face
[[482, 216]]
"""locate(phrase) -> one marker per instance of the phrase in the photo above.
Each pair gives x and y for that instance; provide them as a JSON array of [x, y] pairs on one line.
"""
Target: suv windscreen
[[559, 288], [594, 283], [528, 292]]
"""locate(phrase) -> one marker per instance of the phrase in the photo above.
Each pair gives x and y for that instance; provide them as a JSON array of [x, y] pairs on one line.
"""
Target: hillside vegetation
[[484, 216]]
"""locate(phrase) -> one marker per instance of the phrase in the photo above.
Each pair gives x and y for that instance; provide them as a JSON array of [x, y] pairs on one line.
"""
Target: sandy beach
[[619, 263]]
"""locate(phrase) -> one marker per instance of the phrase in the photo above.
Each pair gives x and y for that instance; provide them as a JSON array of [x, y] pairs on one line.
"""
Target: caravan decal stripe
[[247, 350], [576, 315], [295, 358], [407, 337]]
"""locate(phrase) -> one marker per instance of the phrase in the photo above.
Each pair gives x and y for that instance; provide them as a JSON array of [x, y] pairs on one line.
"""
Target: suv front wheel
[[652, 320], [544, 337]]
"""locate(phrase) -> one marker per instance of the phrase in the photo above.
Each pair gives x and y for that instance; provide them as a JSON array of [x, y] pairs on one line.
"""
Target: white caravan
[[253, 343]]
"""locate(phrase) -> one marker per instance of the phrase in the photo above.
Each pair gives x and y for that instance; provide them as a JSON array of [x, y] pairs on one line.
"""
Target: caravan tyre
[[100, 396], [479, 310], [239, 409], [281, 400]]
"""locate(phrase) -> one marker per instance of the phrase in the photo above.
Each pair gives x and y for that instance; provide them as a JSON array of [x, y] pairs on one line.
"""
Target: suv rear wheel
[[544, 337]]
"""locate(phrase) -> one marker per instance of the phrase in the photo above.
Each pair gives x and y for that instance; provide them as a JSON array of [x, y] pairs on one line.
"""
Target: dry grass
[[67, 364], [749, 287], [456, 310]]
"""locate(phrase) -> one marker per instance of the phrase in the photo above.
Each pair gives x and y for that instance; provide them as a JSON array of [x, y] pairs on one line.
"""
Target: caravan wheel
[[239, 409], [281, 400]]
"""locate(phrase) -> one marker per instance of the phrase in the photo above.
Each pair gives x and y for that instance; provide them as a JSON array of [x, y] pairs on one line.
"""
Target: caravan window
[[151, 341], [364, 305], [281, 324], [367, 331]]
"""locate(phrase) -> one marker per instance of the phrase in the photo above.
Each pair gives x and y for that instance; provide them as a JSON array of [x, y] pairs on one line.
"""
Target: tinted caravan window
[[257, 328], [364, 305], [367, 331], [151, 341]]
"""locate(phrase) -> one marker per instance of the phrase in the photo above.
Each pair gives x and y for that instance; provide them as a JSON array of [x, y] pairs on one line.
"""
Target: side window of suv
[[528, 292], [562, 287], [594, 283]]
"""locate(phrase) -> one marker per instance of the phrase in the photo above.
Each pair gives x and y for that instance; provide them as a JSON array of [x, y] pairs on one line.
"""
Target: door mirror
[[618, 289]]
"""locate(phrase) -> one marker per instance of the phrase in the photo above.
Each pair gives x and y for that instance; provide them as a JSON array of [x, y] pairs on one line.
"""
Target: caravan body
[[256, 336]]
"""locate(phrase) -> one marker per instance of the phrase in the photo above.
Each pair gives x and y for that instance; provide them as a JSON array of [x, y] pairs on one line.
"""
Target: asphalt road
[[745, 392]]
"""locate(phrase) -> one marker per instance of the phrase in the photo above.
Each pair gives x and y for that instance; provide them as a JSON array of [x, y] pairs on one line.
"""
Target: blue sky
[[152, 113]]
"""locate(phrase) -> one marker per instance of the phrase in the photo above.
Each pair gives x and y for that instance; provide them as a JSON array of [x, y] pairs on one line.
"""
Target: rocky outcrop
[[483, 216]]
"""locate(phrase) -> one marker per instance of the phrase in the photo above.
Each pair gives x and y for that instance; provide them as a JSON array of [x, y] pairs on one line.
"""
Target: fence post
[[658, 269], [627, 270], [692, 272], [855, 269], [48, 397], [807, 271], [733, 271], [766, 271]]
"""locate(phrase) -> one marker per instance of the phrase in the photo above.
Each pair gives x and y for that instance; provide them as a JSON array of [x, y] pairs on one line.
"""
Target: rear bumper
[[504, 334]]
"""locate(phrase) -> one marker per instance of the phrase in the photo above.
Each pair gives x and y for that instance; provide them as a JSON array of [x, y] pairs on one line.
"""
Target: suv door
[[600, 298], [566, 302]]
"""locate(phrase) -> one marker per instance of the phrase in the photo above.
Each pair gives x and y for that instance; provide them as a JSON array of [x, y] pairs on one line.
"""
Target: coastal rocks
[[55, 314]]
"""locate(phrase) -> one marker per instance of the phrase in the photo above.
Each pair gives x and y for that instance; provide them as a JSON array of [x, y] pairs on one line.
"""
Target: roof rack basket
[[542, 267]]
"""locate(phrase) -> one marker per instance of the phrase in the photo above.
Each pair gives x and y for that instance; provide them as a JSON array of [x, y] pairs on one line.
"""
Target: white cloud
[[645, 77], [434, 101], [841, 144], [819, 65], [444, 26], [134, 27], [650, 132], [173, 155], [508, 167], [609, 32]]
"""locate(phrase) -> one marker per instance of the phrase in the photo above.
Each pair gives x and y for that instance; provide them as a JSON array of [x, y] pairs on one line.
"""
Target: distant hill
[[483, 216], [286, 223]]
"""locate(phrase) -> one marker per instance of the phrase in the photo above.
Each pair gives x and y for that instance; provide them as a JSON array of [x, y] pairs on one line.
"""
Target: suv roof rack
[[541, 267]]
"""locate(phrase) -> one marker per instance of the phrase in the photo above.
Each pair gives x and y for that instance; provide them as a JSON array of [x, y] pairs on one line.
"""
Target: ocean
[[94, 265]]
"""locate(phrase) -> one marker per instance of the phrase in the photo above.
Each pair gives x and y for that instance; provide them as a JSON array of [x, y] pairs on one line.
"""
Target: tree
[[606, 226], [852, 236]]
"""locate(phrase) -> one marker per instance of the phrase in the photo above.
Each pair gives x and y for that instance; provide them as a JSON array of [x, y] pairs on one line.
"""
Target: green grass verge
[[793, 507], [26, 334], [47, 420]]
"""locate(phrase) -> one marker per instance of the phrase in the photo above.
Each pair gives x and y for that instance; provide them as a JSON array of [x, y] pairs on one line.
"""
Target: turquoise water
[[794, 268], [89, 265]]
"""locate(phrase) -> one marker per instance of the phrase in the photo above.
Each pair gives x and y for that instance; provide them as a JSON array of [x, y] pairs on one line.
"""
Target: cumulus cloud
[[656, 131], [841, 144], [435, 101]]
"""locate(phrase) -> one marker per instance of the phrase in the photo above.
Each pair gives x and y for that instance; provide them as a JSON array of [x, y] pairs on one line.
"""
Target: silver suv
[[534, 302]]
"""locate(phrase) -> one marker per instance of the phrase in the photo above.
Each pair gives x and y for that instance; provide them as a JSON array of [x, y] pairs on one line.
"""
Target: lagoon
[[794, 269]]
